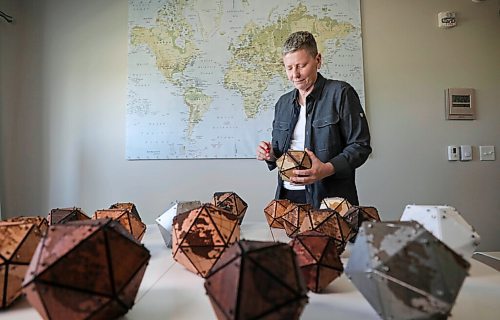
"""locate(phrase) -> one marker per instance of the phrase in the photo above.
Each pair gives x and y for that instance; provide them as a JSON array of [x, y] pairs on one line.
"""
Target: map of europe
[[203, 76]]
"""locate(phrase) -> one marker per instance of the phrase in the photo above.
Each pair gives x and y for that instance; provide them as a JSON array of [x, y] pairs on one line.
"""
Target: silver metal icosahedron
[[404, 271]]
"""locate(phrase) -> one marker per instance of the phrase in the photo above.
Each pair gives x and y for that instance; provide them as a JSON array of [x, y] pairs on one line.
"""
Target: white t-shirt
[[297, 143]]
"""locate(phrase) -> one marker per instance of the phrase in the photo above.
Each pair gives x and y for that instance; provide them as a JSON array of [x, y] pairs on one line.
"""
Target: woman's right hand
[[265, 152]]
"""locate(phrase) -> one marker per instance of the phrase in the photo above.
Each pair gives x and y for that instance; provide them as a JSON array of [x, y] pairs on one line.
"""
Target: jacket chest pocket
[[281, 132], [327, 134]]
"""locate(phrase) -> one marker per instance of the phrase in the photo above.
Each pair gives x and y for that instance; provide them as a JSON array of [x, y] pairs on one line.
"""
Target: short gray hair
[[300, 40]]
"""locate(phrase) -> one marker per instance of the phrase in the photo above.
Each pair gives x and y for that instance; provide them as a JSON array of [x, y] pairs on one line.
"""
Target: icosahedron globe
[[63, 215], [39, 221], [318, 259], [446, 224], [292, 160], [18, 241], [330, 223], [294, 216], [341, 205], [130, 206], [85, 270], [165, 220], [126, 218], [274, 212], [257, 280], [404, 271], [231, 202], [201, 235], [356, 215]]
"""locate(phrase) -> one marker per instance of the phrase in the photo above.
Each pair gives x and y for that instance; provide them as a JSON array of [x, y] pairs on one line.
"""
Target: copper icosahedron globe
[[341, 205], [292, 160], [39, 221], [275, 211], [130, 206], [18, 241], [165, 220], [294, 216], [404, 271], [85, 270], [231, 202], [330, 223], [201, 235], [63, 215], [257, 280], [129, 221], [318, 259], [356, 215]]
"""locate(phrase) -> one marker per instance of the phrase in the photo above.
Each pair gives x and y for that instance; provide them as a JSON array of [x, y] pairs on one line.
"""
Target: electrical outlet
[[487, 153]]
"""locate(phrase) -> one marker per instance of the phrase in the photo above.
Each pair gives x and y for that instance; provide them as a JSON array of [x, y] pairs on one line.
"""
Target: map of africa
[[203, 76]]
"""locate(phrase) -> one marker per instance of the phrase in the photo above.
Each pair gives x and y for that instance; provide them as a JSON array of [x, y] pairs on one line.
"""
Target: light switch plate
[[487, 153], [465, 152]]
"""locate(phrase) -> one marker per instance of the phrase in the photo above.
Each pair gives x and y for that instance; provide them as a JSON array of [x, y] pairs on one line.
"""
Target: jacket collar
[[317, 90]]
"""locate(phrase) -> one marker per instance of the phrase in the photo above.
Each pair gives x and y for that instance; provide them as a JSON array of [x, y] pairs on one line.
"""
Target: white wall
[[63, 74]]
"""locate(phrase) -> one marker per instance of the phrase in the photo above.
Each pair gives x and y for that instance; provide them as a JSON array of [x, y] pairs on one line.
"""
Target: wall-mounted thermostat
[[460, 104]]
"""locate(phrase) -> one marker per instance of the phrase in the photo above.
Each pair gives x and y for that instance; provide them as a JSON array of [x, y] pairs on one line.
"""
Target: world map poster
[[203, 76]]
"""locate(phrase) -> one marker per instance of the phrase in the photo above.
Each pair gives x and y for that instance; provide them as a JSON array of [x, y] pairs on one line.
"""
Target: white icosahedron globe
[[164, 221], [446, 224]]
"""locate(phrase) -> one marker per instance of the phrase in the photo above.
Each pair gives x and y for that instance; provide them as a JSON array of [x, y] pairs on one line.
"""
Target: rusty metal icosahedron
[[63, 215], [318, 259], [18, 241], [294, 216], [330, 223], [257, 280], [201, 235], [404, 271], [129, 221], [292, 160], [231, 202], [85, 270], [274, 212], [165, 220]]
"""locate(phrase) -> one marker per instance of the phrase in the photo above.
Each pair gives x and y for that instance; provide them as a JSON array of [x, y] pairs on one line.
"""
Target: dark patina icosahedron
[[63, 215], [318, 259], [257, 280], [85, 270]]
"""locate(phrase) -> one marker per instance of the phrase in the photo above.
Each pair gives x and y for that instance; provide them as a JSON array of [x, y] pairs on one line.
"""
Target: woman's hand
[[319, 170], [265, 152]]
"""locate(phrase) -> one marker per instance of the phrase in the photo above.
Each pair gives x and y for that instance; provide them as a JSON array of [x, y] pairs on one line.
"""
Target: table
[[491, 259], [169, 291]]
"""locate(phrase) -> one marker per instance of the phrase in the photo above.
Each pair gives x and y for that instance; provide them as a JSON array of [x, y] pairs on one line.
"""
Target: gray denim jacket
[[336, 131]]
